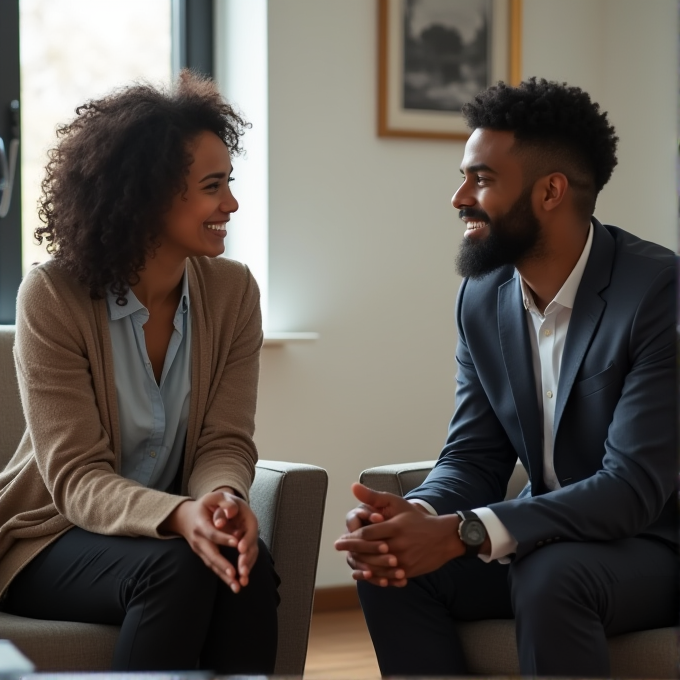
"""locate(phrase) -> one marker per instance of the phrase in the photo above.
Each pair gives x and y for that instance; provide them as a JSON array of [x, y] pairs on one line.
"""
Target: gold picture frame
[[502, 58]]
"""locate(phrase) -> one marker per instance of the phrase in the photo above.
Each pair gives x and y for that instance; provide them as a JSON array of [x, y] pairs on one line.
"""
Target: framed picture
[[435, 55]]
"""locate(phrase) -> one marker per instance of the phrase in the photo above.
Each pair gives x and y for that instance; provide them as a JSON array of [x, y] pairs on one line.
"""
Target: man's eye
[[481, 180], [231, 179]]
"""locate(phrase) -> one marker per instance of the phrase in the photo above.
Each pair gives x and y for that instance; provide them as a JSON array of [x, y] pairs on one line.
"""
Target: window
[[54, 56]]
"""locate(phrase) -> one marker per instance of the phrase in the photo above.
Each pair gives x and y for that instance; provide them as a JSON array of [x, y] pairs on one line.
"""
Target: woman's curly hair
[[561, 123], [115, 171]]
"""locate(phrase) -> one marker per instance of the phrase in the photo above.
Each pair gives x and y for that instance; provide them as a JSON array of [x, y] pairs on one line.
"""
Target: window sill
[[280, 339]]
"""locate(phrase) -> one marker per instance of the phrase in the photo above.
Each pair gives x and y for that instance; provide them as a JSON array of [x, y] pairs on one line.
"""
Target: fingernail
[[392, 561], [234, 587]]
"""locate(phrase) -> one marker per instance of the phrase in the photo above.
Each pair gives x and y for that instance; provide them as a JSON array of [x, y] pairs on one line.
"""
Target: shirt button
[[153, 454], [549, 394], [547, 332], [539, 544]]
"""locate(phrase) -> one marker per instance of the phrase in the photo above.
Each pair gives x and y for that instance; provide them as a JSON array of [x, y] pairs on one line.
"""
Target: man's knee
[[550, 578]]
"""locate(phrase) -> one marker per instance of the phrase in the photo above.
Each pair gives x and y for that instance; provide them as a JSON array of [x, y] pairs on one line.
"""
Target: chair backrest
[[12, 423]]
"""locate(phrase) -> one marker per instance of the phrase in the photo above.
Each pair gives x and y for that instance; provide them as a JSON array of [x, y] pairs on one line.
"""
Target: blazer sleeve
[[61, 381], [637, 480], [226, 454], [478, 458]]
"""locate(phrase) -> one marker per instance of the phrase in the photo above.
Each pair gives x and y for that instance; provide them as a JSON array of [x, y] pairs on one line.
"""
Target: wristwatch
[[472, 532]]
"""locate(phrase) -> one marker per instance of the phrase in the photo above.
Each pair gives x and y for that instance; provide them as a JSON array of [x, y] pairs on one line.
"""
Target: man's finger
[[358, 545], [376, 499], [370, 561]]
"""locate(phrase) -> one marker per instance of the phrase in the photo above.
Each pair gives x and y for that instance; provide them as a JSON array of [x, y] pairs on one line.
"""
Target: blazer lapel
[[516, 348], [586, 314]]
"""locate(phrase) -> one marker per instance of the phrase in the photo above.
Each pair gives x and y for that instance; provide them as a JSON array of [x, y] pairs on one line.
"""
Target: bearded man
[[566, 359]]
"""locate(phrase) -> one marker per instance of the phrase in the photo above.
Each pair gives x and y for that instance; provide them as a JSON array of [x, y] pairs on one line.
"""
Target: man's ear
[[550, 191]]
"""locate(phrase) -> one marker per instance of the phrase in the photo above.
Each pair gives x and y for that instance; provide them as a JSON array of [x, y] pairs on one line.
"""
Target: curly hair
[[115, 171], [557, 127]]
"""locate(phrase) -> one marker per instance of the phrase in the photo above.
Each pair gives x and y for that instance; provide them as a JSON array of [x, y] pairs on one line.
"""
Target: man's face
[[496, 207]]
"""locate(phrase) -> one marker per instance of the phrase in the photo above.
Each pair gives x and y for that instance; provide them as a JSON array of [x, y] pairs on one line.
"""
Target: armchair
[[288, 499], [490, 645]]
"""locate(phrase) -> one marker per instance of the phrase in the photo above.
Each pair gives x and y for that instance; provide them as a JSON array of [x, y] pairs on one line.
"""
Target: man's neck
[[545, 275]]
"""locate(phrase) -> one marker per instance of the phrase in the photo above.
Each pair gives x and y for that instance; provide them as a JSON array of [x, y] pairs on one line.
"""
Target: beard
[[512, 238]]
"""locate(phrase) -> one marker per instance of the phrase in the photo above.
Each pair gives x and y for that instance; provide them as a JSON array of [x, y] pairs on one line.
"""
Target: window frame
[[10, 225]]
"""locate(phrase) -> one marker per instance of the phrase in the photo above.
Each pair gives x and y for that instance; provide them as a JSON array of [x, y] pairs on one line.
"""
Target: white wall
[[362, 236]]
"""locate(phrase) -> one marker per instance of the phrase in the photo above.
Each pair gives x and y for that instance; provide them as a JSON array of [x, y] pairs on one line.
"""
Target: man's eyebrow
[[216, 175], [476, 168]]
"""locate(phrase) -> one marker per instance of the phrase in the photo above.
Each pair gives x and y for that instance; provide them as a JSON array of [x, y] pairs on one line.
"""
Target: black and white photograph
[[446, 52], [436, 55]]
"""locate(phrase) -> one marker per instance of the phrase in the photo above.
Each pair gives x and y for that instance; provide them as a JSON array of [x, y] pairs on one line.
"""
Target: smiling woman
[[137, 353]]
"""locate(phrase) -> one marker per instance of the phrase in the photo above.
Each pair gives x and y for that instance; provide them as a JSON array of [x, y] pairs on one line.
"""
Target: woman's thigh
[[92, 578]]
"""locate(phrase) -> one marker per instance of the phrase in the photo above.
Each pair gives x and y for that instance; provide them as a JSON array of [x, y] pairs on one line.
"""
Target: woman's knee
[[172, 564]]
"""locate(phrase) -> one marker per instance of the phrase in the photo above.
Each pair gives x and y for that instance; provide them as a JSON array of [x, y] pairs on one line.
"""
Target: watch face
[[473, 532]]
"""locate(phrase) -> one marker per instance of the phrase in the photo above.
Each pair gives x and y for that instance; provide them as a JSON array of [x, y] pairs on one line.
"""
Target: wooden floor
[[340, 648]]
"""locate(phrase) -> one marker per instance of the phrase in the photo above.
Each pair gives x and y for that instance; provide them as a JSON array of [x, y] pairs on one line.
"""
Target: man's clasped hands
[[390, 539]]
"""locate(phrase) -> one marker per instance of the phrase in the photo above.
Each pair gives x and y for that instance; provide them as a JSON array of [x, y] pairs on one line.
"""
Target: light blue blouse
[[153, 417]]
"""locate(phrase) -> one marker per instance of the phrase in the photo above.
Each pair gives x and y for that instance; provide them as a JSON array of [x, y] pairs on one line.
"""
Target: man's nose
[[462, 198]]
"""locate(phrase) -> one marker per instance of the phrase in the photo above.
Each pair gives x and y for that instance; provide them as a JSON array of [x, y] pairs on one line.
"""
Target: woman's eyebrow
[[216, 175]]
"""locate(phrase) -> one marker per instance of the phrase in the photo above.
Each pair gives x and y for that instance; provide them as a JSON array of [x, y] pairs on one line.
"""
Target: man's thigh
[[630, 584], [414, 628], [465, 589]]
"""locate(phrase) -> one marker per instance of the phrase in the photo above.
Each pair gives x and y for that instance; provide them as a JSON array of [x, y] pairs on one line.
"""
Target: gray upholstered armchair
[[490, 645], [288, 499]]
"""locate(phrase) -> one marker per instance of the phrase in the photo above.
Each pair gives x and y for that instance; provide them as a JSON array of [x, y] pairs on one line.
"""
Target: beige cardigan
[[66, 469]]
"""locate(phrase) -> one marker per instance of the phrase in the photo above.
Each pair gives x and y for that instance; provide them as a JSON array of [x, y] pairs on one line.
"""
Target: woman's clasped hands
[[219, 518]]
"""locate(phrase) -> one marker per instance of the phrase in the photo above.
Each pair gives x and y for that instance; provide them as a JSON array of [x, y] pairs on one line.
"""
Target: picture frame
[[433, 55]]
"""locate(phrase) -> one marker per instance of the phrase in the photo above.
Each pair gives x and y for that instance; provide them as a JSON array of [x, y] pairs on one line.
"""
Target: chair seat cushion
[[491, 649], [61, 645]]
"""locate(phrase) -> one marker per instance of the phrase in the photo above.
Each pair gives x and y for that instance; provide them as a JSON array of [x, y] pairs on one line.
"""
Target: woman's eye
[[231, 179], [212, 187]]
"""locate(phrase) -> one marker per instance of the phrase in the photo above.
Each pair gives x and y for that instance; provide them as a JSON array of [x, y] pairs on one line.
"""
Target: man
[[566, 359]]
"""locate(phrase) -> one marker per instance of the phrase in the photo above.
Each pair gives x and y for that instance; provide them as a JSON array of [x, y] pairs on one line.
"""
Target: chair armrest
[[398, 479], [289, 501], [401, 478]]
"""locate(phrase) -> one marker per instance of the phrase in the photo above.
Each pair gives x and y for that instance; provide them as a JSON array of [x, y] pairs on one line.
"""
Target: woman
[[137, 354]]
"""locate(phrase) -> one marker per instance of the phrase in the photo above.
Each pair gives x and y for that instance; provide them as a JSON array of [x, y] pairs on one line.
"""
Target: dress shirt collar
[[133, 305], [567, 294]]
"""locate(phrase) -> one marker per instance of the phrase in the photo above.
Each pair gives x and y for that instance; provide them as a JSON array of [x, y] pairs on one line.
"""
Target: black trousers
[[174, 612], [566, 598]]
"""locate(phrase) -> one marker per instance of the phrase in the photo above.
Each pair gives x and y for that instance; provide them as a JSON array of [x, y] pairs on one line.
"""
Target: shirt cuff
[[502, 542], [425, 504]]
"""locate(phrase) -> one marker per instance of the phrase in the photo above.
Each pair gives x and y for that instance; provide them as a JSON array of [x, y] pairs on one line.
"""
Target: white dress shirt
[[547, 332]]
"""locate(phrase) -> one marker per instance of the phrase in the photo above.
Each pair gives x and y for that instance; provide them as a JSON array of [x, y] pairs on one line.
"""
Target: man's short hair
[[558, 129]]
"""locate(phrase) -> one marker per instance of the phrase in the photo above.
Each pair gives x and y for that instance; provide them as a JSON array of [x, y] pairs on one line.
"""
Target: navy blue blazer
[[615, 433]]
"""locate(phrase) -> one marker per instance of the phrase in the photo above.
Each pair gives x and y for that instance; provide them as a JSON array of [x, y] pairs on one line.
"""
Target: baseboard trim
[[335, 599]]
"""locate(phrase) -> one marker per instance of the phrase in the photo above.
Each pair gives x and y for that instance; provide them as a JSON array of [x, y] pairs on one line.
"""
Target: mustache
[[473, 214]]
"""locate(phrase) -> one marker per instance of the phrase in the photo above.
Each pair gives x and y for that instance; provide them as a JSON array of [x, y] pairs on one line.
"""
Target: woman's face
[[196, 224]]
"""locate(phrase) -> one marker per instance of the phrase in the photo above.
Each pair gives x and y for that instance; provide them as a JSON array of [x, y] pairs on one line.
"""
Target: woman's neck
[[160, 281]]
